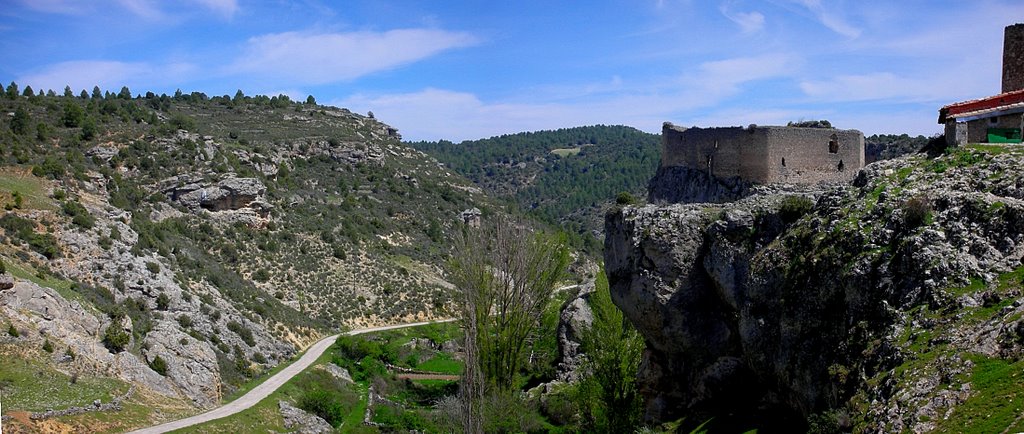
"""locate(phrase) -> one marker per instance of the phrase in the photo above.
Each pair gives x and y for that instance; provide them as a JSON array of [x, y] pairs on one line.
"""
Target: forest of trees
[[567, 176]]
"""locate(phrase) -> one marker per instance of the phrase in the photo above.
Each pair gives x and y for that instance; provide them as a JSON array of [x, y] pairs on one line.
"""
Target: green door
[[1004, 135]]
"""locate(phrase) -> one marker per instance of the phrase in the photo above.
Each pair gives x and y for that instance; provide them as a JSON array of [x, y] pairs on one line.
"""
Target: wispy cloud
[[433, 114], [68, 7], [143, 8], [749, 22], [830, 18], [85, 74], [725, 76], [227, 8], [317, 58]]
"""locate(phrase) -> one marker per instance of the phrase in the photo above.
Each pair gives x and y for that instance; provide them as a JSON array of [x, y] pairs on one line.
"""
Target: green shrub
[[184, 321], [47, 346], [242, 332], [917, 211], [162, 301], [324, 404], [79, 215], [153, 267], [13, 331], [159, 365], [793, 207], [625, 198], [115, 338]]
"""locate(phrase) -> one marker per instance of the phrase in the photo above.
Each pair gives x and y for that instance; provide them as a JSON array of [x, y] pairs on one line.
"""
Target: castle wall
[[766, 154]]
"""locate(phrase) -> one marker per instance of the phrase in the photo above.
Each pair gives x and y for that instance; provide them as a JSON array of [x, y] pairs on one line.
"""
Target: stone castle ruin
[[765, 154]]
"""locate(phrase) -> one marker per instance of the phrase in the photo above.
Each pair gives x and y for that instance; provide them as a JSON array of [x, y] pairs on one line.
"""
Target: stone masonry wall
[[766, 154], [977, 130], [1013, 58]]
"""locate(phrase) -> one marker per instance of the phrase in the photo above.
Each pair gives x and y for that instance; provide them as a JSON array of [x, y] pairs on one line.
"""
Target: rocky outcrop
[[576, 316], [69, 324], [763, 313], [191, 363], [299, 421], [227, 194]]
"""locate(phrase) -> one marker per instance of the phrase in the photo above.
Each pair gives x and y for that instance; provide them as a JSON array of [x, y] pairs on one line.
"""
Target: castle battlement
[[765, 154]]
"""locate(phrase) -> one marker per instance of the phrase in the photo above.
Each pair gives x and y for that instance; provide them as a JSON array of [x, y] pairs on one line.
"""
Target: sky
[[465, 69]]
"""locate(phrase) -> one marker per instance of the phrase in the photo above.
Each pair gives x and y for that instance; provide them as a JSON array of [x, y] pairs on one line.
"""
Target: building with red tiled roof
[[998, 118]]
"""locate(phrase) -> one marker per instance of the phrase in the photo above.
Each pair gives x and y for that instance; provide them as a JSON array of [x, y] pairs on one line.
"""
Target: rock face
[[763, 313], [678, 184], [298, 420], [227, 194], [576, 316]]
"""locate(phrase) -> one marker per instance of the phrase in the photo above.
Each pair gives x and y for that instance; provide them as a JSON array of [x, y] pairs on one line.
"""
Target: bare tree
[[505, 275]]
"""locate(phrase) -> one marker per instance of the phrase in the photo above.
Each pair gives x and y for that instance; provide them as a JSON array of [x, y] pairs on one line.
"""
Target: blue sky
[[462, 69]]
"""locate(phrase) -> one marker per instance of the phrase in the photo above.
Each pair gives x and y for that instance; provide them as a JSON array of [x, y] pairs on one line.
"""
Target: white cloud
[[226, 8], [142, 8], [332, 57], [830, 19], [433, 114], [151, 9], [725, 76], [867, 87], [108, 75], [749, 22]]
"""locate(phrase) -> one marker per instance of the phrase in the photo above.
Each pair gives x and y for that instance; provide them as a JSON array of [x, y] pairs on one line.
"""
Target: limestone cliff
[[874, 307]]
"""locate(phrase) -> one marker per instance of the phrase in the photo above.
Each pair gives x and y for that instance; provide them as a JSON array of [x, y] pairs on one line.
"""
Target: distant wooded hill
[[886, 146], [567, 175]]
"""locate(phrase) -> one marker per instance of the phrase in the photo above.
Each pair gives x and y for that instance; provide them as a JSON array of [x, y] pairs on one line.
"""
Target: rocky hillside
[[890, 305], [185, 244]]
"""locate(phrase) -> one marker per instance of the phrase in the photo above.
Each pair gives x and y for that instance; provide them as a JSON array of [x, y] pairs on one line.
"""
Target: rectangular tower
[[1013, 58]]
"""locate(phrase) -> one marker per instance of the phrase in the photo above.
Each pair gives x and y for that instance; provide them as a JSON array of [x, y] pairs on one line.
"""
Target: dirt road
[[267, 387]]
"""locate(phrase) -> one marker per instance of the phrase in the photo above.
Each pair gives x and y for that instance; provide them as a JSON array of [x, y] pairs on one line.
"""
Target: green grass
[[434, 383], [34, 190], [442, 363], [34, 385], [63, 287], [354, 418], [995, 149], [997, 398]]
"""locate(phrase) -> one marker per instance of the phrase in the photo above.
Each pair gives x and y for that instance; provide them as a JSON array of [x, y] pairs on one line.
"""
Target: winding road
[[264, 390]]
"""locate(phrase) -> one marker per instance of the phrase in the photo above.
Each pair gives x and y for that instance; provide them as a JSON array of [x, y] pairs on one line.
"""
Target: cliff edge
[[891, 304]]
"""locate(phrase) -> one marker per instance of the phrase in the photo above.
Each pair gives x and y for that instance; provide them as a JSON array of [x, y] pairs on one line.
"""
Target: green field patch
[[442, 363], [565, 152], [34, 385], [33, 190]]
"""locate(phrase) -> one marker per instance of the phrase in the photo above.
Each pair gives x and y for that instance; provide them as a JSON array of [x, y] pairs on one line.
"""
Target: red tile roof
[[978, 106]]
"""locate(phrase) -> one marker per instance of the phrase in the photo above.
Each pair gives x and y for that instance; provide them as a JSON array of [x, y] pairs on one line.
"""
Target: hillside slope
[[891, 305], [184, 244]]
